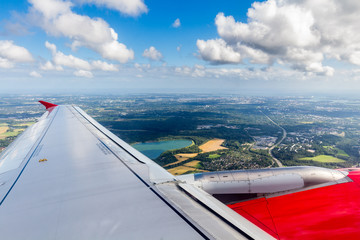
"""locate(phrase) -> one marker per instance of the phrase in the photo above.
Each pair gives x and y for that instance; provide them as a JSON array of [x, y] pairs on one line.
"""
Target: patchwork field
[[3, 129], [13, 133], [184, 169], [194, 164], [27, 124], [211, 156], [209, 146], [181, 157], [8, 130], [185, 156], [339, 152]]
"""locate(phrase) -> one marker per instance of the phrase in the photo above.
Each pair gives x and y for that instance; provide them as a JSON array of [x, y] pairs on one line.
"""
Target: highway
[[277, 161]]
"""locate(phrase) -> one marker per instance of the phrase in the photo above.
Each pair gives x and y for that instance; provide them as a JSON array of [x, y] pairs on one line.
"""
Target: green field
[[323, 158], [7, 130], [339, 152], [211, 156], [13, 133], [342, 153], [27, 124]]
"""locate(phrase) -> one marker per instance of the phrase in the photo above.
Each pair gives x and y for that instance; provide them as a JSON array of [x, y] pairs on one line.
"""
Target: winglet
[[47, 104]]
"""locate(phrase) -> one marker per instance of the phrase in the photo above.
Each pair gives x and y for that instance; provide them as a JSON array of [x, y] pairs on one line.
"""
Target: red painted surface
[[256, 211], [47, 104], [331, 212]]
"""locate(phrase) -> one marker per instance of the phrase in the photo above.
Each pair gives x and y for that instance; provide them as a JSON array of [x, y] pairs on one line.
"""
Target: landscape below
[[226, 132]]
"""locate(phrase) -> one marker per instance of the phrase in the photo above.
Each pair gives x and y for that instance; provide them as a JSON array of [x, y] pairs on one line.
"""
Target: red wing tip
[[47, 105]]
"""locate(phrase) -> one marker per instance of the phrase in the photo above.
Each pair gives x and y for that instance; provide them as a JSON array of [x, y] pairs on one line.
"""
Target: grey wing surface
[[67, 177]]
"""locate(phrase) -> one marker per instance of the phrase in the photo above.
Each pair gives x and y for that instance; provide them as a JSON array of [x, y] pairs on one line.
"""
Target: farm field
[[323, 159], [211, 156], [181, 157], [27, 124], [212, 145], [339, 152], [184, 169], [185, 156], [209, 146], [3, 130], [194, 164]]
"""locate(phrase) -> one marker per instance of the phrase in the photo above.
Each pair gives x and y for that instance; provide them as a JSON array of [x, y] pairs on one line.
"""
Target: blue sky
[[268, 47]]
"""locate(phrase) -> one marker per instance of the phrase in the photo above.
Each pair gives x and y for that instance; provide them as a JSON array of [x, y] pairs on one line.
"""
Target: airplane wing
[[67, 177]]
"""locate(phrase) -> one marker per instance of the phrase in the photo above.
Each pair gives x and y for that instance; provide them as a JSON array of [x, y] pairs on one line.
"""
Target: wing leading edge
[[67, 177]]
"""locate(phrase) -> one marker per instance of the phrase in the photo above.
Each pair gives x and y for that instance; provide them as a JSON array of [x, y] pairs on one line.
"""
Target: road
[[277, 161]]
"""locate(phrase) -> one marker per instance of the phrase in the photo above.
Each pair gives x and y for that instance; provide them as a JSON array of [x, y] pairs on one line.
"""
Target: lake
[[153, 149]]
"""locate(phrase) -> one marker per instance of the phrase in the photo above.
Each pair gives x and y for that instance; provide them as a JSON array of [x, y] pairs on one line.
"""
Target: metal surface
[[84, 192], [230, 217], [15, 157], [264, 181]]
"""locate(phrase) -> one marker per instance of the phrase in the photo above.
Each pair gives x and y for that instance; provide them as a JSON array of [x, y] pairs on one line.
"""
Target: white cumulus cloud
[[35, 74], [176, 23], [57, 18], [48, 66], [104, 66], [152, 54], [11, 54], [217, 51], [60, 60], [5, 63], [301, 34], [83, 73], [128, 7]]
